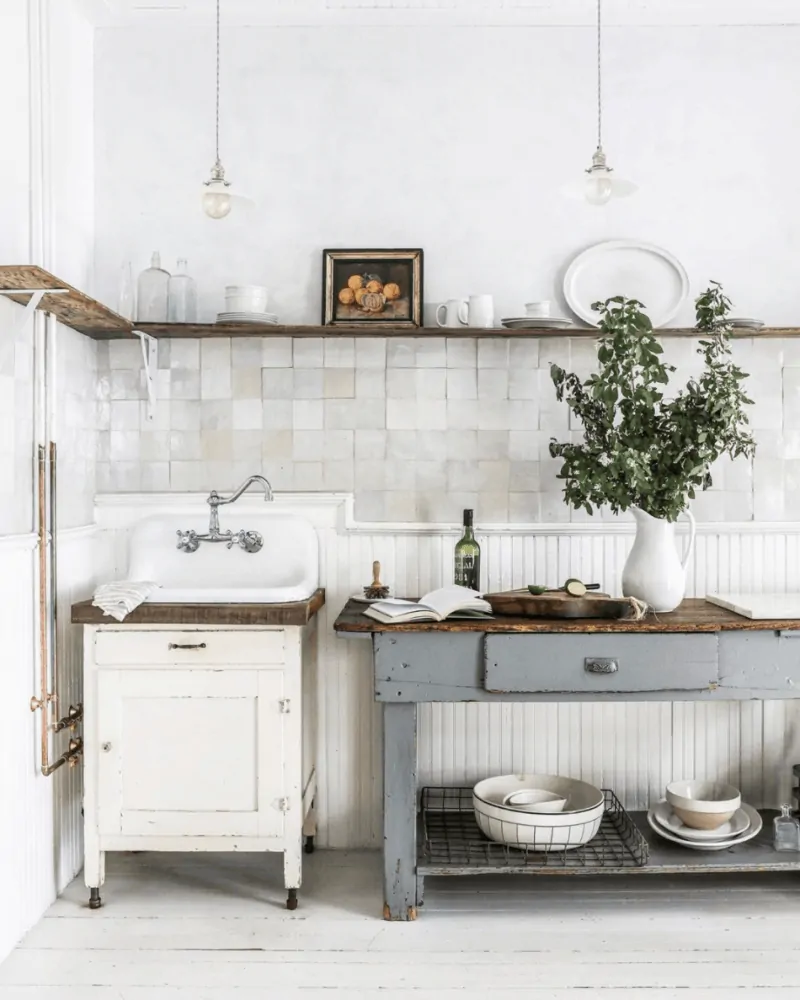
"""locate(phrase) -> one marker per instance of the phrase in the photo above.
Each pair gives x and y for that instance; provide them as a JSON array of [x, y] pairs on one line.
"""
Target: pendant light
[[218, 194], [601, 184]]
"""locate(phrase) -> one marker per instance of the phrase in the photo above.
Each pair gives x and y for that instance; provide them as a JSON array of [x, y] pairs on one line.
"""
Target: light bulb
[[216, 203], [598, 187]]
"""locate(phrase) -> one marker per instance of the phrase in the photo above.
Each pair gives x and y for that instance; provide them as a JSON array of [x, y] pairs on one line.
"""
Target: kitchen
[[451, 127]]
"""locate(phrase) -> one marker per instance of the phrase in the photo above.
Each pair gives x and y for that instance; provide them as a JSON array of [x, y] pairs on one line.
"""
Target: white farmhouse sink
[[285, 569]]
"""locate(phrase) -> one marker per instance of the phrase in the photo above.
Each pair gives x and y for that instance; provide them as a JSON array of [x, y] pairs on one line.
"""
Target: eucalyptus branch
[[640, 449]]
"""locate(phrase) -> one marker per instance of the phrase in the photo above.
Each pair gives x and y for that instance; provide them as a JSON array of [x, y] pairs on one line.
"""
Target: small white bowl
[[535, 800], [703, 805]]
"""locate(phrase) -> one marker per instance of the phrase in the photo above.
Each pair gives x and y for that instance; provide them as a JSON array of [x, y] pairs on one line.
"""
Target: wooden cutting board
[[556, 604]]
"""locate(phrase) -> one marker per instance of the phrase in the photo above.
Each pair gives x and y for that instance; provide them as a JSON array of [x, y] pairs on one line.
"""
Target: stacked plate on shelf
[[537, 323], [247, 317], [704, 816]]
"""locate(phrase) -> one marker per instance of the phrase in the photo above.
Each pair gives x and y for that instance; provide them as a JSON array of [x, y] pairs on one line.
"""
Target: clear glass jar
[[127, 293], [786, 836], [182, 307], [153, 293]]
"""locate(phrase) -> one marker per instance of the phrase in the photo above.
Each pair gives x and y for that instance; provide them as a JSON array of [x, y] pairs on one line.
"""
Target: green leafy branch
[[640, 448]]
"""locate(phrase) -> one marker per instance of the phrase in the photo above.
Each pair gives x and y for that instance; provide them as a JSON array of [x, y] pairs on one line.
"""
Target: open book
[[448, 602]]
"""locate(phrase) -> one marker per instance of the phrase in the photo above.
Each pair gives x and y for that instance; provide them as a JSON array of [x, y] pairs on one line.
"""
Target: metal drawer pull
[[188, 645], [600, 665]]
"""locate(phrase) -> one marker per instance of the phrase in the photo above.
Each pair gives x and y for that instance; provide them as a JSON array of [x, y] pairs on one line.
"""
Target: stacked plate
[[247, 317], [744, 323], [704, 816], [537, 323]]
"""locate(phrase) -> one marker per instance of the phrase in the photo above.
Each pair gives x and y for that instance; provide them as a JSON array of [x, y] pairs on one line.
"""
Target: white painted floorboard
[[213, 927]]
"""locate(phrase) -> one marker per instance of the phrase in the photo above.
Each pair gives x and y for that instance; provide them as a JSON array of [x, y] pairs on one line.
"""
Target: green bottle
[[467, 568]]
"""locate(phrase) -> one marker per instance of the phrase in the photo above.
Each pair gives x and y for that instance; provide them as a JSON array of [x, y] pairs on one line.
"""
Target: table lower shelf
[[455, 846]]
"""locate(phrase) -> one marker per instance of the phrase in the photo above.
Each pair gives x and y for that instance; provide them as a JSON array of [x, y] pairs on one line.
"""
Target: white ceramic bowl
[[246, 298], [535, 800], [703, 805], [573, 827]]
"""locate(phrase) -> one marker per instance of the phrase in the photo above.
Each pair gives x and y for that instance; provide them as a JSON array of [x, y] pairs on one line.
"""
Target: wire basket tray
[[451, 836]]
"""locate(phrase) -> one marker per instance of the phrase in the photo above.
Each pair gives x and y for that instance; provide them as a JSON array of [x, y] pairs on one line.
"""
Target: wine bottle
[[467, 561]]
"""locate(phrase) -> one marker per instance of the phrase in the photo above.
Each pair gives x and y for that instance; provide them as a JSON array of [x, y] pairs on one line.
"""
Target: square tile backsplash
[[417, 427]]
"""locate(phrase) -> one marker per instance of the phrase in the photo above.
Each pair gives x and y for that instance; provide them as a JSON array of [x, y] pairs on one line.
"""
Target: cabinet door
[[190, 752]]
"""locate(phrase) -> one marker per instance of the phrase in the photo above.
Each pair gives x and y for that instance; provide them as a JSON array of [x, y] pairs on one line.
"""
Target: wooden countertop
[[296, 613], [693, 615]]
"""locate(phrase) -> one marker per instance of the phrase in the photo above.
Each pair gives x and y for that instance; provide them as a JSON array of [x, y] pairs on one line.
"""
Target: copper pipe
[[70, 720], [42, 701], [53, 698]]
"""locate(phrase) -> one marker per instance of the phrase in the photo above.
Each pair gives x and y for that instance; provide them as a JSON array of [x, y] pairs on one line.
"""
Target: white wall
[[46, 185], [455, 139]]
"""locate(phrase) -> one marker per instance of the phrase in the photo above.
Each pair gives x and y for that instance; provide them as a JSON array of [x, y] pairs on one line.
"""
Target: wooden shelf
[[70, 307], [269, 330]]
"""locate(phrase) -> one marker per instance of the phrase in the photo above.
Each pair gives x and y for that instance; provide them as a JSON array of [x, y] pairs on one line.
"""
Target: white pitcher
[[653, 572]]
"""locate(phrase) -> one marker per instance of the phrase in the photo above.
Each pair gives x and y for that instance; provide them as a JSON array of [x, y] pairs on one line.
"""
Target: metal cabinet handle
[[186, 645], [105, 747], [600, 665]]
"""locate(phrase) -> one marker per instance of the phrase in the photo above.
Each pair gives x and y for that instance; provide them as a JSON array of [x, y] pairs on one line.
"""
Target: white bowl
[[572, 828], [703, 805], [246, 298], [535, 800], [580, 795]]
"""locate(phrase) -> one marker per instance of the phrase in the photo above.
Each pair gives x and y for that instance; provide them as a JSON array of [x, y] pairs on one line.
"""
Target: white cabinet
[[198, 739]]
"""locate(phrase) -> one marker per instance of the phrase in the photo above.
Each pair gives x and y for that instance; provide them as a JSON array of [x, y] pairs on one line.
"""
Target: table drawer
[[581, 663], [187, 647]]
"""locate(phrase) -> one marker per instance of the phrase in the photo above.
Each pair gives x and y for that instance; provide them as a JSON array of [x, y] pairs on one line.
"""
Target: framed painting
[[372, 288]]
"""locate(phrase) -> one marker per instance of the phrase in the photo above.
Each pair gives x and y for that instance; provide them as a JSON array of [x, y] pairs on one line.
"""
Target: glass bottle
[[786, 831], [127, 295], [467, 557], [153, 293], [182, 296]]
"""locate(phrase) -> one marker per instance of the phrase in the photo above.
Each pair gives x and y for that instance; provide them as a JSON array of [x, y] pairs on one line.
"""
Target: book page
[[446, 600]]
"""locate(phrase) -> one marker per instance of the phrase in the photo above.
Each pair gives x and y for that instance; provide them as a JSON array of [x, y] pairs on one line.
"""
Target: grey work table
[[698, 652]]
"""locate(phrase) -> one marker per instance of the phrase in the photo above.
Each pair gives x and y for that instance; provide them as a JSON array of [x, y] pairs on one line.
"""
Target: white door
[[190, 752]]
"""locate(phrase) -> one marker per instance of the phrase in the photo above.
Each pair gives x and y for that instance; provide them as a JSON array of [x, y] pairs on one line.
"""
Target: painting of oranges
[[379, 287]]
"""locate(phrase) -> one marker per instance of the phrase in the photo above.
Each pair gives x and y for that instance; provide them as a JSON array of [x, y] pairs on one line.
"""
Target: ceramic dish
[[755, 828], [580, 795], [535, 800], [626, 267], [246, 317], [560, 831], [735, 827], [743, 323], [703, 805], [536, 323]]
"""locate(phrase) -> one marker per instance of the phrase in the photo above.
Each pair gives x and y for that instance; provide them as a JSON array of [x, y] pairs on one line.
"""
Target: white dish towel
[[119, 599]]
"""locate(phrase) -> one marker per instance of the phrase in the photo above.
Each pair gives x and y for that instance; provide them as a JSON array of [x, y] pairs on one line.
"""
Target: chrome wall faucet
[[250, 541]]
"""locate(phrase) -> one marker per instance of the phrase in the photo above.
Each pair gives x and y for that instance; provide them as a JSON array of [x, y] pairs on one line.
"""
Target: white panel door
[[190, 752]]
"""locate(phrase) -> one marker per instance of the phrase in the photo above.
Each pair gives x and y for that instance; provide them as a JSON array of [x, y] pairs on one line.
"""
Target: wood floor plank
[[214, 927]]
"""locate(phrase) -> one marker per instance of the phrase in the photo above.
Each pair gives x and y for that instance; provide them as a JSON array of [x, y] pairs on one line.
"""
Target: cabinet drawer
[[187, 647], [585, 663]]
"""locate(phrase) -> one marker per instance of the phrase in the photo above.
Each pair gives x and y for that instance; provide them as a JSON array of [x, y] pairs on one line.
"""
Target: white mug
[[455, 313], [537, 310], [480, 311]]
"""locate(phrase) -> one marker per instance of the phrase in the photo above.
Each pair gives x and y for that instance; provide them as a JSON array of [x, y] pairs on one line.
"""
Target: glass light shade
[[217, 199], [598, 187]]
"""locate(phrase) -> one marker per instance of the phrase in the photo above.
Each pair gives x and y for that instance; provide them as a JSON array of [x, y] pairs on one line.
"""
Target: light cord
[[599, 76], [217, 97]]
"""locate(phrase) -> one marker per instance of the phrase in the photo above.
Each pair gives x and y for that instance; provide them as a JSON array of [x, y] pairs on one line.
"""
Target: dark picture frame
[[372, 288]]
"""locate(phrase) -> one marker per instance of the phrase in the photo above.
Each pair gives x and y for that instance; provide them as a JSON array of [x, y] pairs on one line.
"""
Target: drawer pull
[[600, 665], [186, 645]]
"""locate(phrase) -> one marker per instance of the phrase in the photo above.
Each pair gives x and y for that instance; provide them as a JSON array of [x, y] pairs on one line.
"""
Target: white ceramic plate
[[743, 323], [626, 267], [246, 317], [738, 824], [532, 323], [755, 828]]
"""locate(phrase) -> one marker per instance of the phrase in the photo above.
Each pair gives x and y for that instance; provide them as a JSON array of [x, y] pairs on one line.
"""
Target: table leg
[[400, 811]]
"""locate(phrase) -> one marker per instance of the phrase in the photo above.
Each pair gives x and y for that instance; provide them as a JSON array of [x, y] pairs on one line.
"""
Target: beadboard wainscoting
[[41, 834], [634, 748]]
